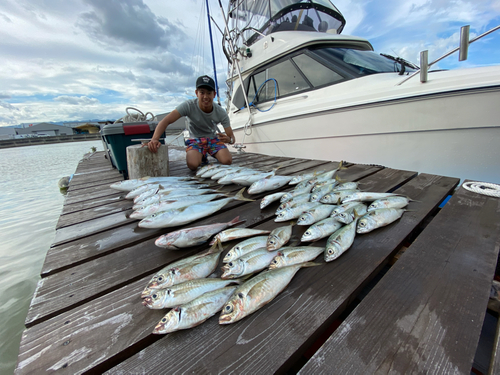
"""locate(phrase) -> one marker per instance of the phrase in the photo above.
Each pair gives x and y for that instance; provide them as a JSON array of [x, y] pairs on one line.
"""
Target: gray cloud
[[8, 106], [166, 63], [121, 24], [73, 100]]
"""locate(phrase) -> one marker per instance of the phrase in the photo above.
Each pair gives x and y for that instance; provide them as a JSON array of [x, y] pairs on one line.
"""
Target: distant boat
[[314, 93]]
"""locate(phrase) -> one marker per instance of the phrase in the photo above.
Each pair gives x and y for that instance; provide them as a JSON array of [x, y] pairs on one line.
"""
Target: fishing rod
[[213, 56]]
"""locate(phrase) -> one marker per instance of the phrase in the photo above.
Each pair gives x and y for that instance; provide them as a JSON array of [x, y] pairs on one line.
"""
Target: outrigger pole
[[213, 56]]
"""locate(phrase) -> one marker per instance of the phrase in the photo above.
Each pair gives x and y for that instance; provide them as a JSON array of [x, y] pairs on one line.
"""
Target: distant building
[[45, 129], [7, 133]]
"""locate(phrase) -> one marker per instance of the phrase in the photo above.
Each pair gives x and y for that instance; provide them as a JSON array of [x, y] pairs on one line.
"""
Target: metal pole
[[213, 56]]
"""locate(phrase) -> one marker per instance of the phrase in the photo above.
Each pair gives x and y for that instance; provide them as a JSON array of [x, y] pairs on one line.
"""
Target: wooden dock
[[365, 312]]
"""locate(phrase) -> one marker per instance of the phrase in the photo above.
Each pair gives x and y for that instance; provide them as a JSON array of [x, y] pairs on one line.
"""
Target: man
[[202, 119]]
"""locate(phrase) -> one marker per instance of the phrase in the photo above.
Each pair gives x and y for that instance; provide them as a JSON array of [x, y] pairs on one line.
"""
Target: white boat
[[323, 95]]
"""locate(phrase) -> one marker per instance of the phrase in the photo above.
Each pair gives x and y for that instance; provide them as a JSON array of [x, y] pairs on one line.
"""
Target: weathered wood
[[495, 354], [426, 314], [273, 338], [93, 213], [141, 162]]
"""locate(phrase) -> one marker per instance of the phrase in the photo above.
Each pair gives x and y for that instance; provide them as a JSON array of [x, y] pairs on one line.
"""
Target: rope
[[485, 188], [134, 117]]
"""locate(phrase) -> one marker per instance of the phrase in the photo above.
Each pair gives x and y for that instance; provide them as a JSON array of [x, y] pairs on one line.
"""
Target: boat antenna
[[213, 56]]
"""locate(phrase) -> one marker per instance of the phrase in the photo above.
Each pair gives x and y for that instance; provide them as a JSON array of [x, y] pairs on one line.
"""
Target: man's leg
[[224, 156], [193, 159]]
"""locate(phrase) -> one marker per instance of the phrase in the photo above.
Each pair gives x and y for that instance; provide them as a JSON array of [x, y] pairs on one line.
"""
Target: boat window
[[315, 72], [359, 62], [280, 80]]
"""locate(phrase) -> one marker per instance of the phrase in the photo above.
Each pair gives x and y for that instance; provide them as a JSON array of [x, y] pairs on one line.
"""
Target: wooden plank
[[272, 339], [94, 202], [495, 355], [426, 314], [103, 182]]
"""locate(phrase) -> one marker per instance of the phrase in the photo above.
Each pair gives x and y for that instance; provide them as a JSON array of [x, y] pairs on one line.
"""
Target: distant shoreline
[[22, 142]]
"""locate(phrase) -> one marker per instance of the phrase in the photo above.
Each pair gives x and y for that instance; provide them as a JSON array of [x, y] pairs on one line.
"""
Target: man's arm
[[172, 117], [228, 136]]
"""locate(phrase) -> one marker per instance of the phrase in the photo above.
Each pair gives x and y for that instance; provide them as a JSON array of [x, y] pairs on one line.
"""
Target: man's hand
[[154, 145], [224, 137]]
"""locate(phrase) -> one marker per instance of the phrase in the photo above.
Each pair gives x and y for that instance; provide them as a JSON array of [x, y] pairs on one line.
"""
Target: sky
[[77, 60]]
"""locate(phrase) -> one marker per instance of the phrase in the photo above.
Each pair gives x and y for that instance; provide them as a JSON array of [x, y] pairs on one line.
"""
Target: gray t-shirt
[[201, 124]]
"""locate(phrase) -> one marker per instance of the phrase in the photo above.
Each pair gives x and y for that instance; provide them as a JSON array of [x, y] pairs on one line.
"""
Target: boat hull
[[454, 134]]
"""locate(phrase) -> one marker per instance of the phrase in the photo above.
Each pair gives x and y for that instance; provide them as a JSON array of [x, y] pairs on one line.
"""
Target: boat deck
[[407, 298]]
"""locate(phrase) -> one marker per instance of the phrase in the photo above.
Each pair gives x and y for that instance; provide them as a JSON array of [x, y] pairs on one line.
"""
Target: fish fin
[[236, 221], [216, 248], [239, 196], [294, 241], [310, 264], [342, 165]]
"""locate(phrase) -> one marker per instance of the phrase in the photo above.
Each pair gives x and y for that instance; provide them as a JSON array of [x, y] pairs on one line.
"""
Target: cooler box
[[119, 136]]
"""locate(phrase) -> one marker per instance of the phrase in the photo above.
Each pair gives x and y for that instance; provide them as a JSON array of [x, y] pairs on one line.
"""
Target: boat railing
[[463, 48]]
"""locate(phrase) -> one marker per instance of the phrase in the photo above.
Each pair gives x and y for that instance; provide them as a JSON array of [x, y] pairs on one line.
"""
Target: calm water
[[30, 205]]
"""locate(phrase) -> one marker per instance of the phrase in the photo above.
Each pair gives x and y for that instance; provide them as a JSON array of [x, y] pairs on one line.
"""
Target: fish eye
[[230, 264], [362, 224], [308, 233], [154, 296], [164, 320], [271, 242], [160, 278], [228, 308], [330, 251], [275, 261]]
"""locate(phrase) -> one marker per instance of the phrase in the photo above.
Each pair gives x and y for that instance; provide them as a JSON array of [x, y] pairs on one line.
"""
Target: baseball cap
[[205, 81]]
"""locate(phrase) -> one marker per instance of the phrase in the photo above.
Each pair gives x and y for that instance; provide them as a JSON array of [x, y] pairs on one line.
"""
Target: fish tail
[[341, 165], [239, 196], [236, 221]]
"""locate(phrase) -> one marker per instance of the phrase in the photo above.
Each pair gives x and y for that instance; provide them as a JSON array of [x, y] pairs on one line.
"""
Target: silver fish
[[185, 292], [335, 196], [268, 199], [315, 214], [343, 207], [321, 229], [244, 247], [301, 198], [378, 218], [390, 202], [294, 211], [249, 179], [288, 256], [236, 233], [195, 312], [366, 196], [348, 215], [257, 292], [183, 238], [252, 262], [211, 171], [185, 215], [143, 212], [128, 185], [347, 186], [226, 171], [279, 237], [304, 177], [268, 183], [291, 195], [227, 179], [340, 241], [194, 267], [191, 198], [180, 184], [171, 193]]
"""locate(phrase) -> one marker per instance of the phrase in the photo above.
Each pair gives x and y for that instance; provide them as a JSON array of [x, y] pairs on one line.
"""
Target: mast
[[213, 56]]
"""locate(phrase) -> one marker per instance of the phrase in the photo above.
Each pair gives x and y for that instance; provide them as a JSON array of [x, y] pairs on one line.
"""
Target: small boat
[[299, 88]]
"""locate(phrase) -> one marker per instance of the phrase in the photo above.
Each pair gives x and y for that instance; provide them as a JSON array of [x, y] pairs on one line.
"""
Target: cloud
[[165, 63], [73, 100], [8, 106], [122, 24]]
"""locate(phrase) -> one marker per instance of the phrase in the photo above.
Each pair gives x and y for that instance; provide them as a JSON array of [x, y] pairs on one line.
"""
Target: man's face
[[205, 99]]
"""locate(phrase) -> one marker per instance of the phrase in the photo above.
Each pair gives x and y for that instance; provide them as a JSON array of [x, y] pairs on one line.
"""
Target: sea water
[[30, 205]]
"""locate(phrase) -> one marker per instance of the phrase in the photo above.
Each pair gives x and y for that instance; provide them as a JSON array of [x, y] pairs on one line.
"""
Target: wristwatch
[[232, 141]]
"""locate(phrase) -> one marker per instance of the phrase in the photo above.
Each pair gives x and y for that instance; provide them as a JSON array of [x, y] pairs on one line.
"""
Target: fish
[[185, 292], [389, 202], [366, 196], [142, 212], [236, 233], [322, 188], [347, 186], [321, 229], [343, 207], [303, 177], [336, 196], [378, 218], [194, 267], [183, 238], [295, 193], [258, 291], [279, 237], [204, 168], [128, 185], [143, 188], [208, 173], [195, 312], [268, 183], [245, 247], [315, 214], [301, 198], [249, 179], [327, 175], [252, 262], [347, 216], [340, 241], [188, 214], [224, 172], [288, 256], [295, 210], [268, 199], [167, 194], [227, 179]]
